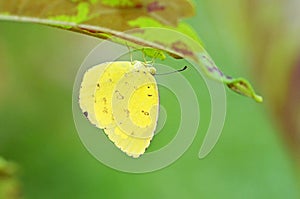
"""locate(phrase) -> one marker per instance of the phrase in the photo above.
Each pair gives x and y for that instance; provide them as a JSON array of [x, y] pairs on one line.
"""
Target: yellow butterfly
[[122, 98]]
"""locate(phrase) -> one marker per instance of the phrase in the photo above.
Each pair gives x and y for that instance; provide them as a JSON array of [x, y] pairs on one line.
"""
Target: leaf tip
[[243, 87], [258, 98]]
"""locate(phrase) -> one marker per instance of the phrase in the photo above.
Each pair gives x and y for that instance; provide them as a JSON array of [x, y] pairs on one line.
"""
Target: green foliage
[[94, 24]]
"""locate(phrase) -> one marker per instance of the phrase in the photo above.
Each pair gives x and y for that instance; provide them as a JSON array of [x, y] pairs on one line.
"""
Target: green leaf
[[109, 14], [107, 19], [180, 46], [243, 87], [144, 22]]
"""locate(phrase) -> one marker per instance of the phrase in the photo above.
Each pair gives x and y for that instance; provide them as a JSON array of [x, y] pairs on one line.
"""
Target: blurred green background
[[256, 156]]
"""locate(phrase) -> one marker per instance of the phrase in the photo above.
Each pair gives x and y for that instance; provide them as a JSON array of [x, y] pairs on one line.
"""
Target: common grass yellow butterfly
[[122, 99]]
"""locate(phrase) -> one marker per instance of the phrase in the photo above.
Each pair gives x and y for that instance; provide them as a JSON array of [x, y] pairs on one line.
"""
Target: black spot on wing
[[145, 112], [86, 114]]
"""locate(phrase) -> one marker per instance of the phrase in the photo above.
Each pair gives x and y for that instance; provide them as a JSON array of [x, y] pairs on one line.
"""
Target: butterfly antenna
[[176, 71]]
